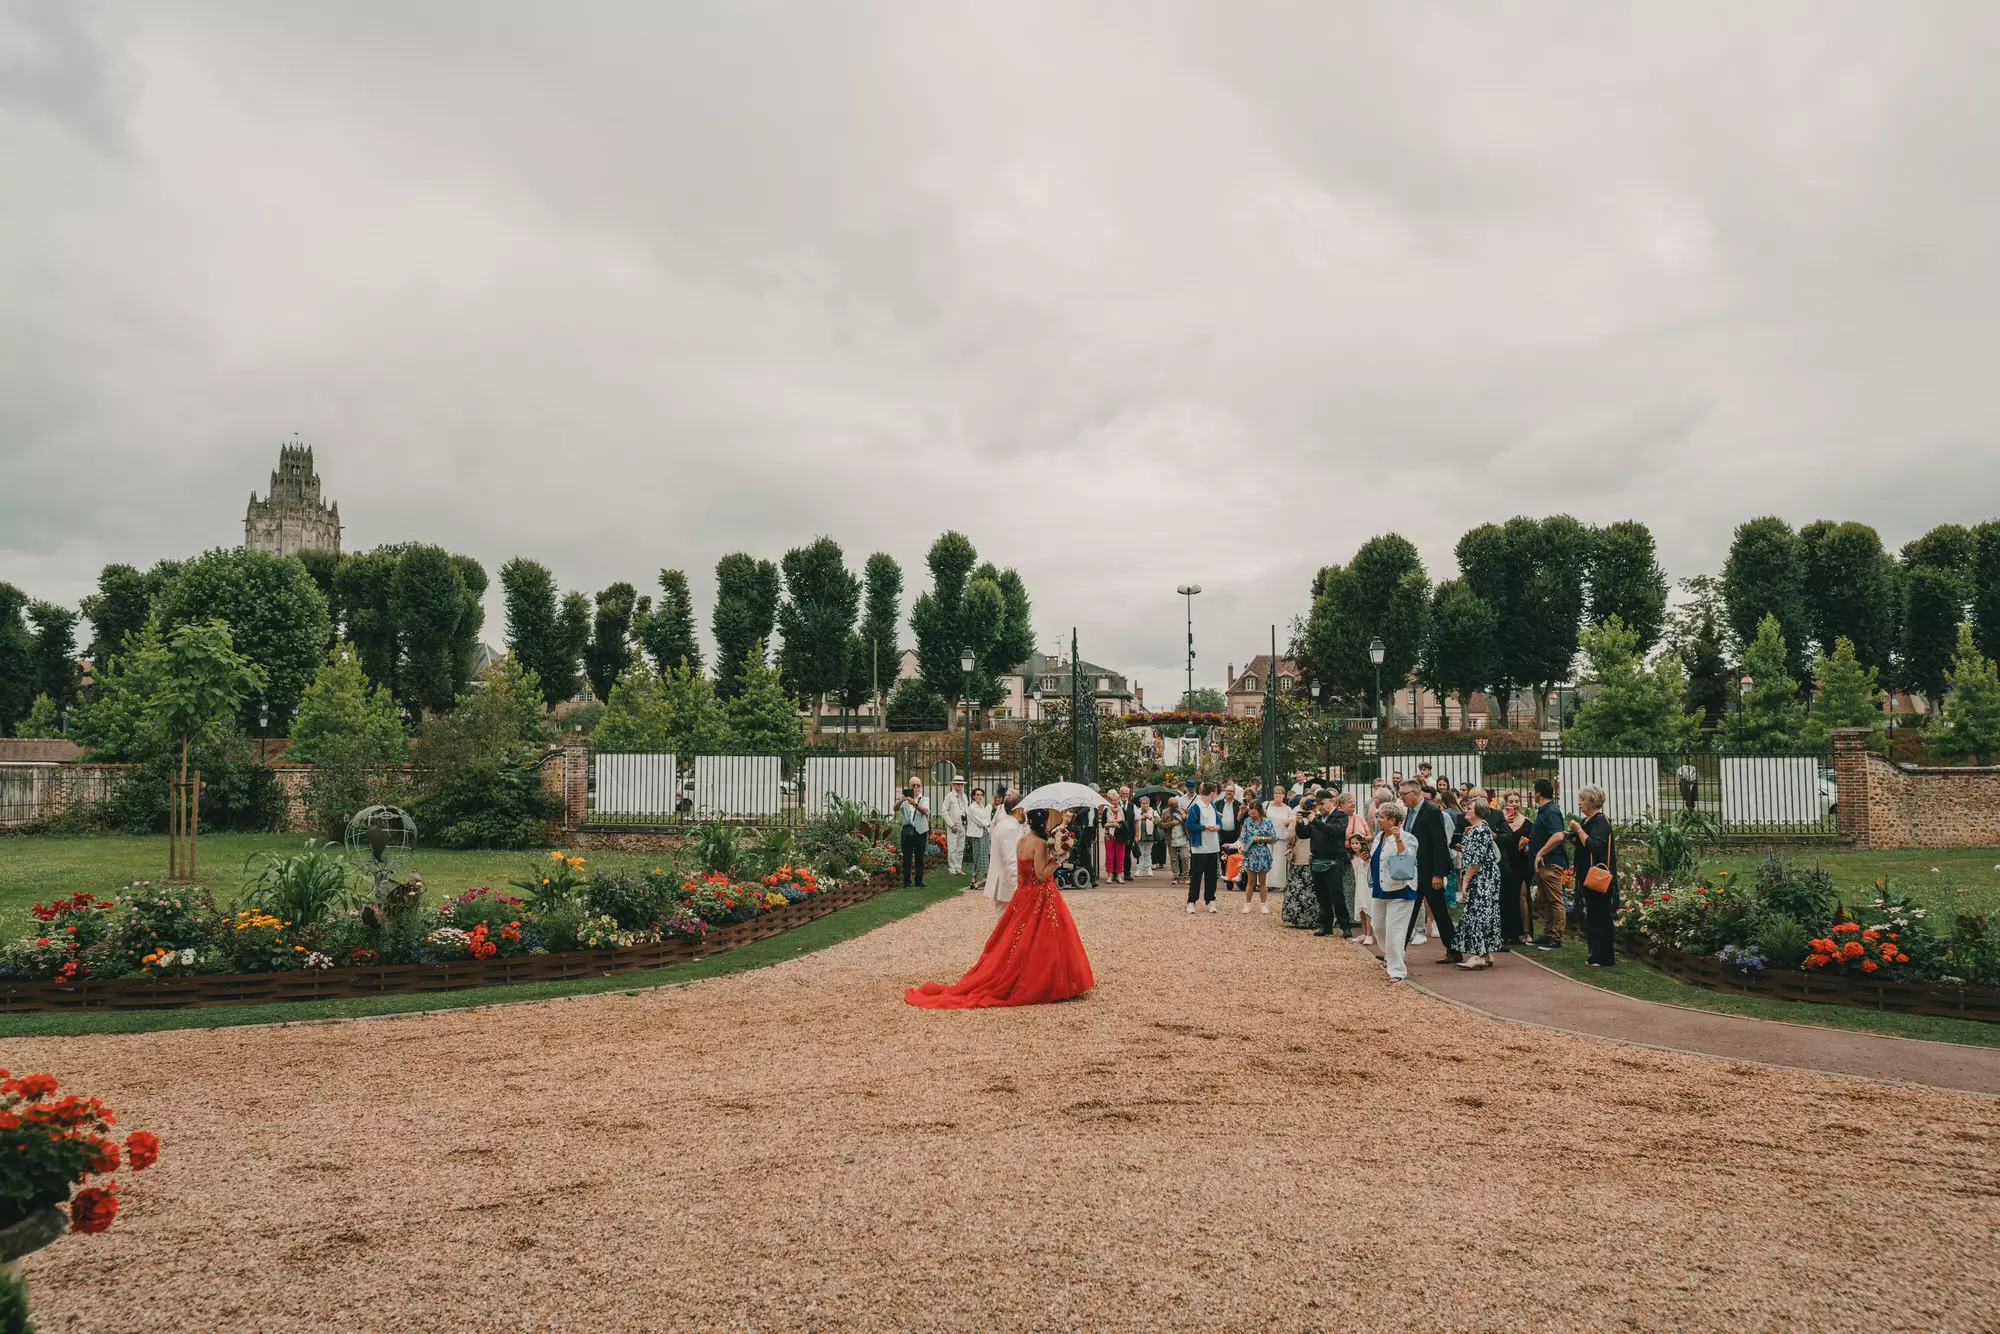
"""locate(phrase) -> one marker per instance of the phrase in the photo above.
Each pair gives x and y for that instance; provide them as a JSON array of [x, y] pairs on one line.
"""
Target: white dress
[[1282, 818], [1002, 875]]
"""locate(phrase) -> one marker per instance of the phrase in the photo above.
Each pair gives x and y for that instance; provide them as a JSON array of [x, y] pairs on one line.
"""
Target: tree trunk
[[1541, 707]]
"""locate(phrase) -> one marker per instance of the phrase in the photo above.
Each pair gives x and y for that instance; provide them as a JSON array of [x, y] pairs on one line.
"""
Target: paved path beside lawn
[[1518, 988]]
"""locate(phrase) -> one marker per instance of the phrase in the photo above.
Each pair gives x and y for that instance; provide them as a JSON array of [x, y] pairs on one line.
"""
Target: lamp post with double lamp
[[966, 662]]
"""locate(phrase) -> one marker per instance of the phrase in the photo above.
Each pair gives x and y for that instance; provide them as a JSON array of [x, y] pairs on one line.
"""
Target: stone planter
[[32, 1233]]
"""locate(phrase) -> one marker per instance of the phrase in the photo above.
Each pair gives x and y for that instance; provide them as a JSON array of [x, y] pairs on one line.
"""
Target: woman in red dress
[[1034, 954]]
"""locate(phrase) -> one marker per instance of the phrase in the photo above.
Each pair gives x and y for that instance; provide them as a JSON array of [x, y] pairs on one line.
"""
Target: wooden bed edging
[[1824, 988], [199, 990]]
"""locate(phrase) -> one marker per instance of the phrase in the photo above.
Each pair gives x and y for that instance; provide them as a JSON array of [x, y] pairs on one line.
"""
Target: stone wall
[[1889, 805]]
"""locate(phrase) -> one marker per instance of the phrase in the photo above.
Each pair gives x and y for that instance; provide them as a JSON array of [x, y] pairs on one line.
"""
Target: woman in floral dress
[[1479, 879], [1259, 837]]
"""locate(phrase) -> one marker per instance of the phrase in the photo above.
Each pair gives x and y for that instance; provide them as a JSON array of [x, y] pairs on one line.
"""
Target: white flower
[[1934, 870]]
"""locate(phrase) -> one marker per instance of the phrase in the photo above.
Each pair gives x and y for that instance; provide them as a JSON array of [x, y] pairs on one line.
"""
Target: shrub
[[1805, 896], [149, 921], [482, 789], [603, 933], [56, 949], [236, 793], [1972, 954], [718, 901], [1671, 849], [1782, 941], [555, 886], [307, 887], [1907, 923], [635, 902], [483, 905], [717, 847], [1859, 951], [1700, 920], [256, 942]]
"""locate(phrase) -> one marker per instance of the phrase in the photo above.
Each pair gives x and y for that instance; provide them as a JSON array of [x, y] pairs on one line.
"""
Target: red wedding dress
[[1034, 956]]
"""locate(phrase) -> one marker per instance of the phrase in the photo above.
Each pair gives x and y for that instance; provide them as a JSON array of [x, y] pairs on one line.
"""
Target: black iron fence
[[1748, 793]]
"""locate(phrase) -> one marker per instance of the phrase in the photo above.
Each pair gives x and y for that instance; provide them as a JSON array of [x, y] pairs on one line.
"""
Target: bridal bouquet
[[1060, 842]]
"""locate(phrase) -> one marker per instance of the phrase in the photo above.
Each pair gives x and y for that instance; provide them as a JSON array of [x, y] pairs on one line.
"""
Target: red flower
[[142, 1149], [1853, 949], [1867, 965], [105, 1157], [93, 1208], [31, 1087]]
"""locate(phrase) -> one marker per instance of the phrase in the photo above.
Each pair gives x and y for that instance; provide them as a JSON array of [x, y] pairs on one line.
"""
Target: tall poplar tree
[[1626, 581], [822, 600], [746, 612], [1850, 590], [545, 633], [1382, 592], [1765, 576], [670, 634], [609, 651]]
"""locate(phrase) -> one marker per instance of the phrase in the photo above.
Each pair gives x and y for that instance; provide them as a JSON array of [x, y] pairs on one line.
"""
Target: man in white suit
[[1002, 873]]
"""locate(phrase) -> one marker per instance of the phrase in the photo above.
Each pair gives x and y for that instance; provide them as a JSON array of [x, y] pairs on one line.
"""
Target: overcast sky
[[1132, 292]]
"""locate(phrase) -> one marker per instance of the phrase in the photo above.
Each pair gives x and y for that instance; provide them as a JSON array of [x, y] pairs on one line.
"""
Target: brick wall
[[566, 777], [1913, 806]]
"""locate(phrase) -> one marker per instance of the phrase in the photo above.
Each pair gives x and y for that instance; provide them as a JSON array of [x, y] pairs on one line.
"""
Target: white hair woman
[[1392, 880], [1599, 849], [1479, 875]]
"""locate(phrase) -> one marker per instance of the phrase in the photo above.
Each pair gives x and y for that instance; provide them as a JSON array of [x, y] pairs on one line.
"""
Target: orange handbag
[[1598, 879]]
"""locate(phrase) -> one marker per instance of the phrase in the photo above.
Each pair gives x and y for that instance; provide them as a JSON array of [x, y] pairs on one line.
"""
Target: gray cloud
[[1132, 293]]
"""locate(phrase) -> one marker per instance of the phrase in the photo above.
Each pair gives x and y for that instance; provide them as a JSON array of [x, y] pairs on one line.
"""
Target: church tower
[[293, 518]]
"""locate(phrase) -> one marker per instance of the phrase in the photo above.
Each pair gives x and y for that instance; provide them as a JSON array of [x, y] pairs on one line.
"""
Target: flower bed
[[194, 990], [1822, 987], [1787, 936]]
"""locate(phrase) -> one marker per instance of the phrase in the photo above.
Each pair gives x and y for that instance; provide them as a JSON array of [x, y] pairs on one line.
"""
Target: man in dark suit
[[1426, 821], [1327, 830]]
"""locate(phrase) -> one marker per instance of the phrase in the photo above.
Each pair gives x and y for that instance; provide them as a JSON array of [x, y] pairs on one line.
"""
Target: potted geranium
[[48, 1146]]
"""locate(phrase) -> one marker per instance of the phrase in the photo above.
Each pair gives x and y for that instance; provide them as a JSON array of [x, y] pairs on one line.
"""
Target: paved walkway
[[1519, 989]]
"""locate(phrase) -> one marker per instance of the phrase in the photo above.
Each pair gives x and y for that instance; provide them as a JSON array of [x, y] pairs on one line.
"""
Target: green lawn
[[1644, 982], [1966, 880], [39, 869]]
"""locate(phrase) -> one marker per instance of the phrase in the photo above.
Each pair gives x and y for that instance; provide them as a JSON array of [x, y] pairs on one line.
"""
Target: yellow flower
[[556, 856]]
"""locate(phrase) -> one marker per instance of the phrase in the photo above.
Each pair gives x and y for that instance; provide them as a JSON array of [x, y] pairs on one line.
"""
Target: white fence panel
[[1460, 769], [637, 784], [1780, 791], [868, 779], [1631, 783], [737, 785]]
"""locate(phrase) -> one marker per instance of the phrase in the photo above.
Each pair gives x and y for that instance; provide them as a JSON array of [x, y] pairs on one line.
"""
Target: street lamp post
[[263, 727], [1187, 701], [1377, 651], [966, 662]]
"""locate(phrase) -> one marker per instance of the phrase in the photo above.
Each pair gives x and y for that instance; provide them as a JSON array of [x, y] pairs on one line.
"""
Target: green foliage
[[609, 651], [1301, 735], [556, 885], [1805, 895], [236, 792], [1932, 612], [14, 1318], [1782, 941], [482, 788], [1851, 590], [770, 850], [1847, 696], [1667, 852], [1709, 687], [1626, 581], [881, 615], [1765, 576], [717, 846], [42, 721], [1949, 548], [1773, 719], [1382, 591], [307, 887], [914, 707], [1969, 724], [746, 611], [1986, 588], [975, 606], [121, 606], [857, 687], [1202, 699], [1534, 575], [363, 587], [1119, 759], [201, 683], [57, 674], [1693, 920], [114, 723], [276, 617], [427, 596], [677, 712], [340, 715], [817, 617], [763, 716], [1459, 642], [546, 635], [669, 633], [322, 566], [17, 659], [635, 902], [1632, 708], [1013, 640]]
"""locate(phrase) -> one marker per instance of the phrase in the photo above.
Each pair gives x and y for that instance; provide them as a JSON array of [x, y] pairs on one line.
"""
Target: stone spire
[[293, 518]]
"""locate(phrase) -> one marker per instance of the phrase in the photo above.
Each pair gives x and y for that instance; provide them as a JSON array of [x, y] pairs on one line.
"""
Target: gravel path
[[1243, 1128]]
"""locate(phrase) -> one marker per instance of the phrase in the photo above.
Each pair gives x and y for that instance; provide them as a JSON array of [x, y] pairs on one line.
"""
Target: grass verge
[[1642, 981], [832, 929]]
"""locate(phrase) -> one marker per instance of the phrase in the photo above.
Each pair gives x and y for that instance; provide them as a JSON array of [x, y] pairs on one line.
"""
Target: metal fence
[[655, 788], [1748, 793]]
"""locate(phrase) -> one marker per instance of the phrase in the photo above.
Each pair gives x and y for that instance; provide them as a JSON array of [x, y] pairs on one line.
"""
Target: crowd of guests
[[1416, 859]]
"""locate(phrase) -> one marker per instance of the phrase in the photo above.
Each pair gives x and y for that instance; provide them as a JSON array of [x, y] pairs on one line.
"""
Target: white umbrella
[[1062, 797]]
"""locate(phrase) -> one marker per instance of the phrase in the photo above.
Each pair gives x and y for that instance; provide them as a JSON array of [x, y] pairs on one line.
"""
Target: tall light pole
[[1377, 651], [1187, 701], [966, 662]]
